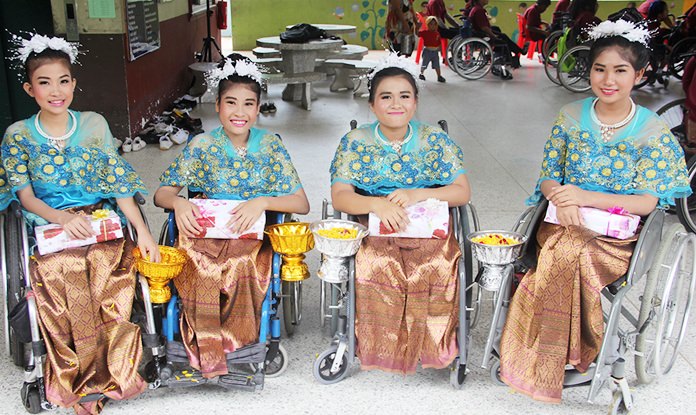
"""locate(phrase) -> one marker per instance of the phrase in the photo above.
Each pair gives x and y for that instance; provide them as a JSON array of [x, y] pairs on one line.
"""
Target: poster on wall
[[143, 27]]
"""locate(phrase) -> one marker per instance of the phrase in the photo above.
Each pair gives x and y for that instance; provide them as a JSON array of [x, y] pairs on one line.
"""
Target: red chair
[[534, 45]]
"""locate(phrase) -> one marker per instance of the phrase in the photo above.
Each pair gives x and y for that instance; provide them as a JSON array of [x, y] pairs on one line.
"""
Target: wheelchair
[[661, 273], [25, 344], [475, 56], [337, 305], [249, 365]]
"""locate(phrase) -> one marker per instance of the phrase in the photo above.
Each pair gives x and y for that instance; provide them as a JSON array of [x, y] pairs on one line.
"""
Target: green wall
[[252, 19]]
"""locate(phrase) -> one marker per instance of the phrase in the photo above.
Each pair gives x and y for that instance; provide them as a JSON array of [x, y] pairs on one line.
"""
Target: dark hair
[[388, 73], [226, 83], [35, 60], [543, 2], [523, 4], [579, 6], [635, 53], [656, 8]]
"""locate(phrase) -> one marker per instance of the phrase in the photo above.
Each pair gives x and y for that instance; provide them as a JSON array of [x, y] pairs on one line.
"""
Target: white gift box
[[427, 219], [614, 222], [52, 238], [216, 214]]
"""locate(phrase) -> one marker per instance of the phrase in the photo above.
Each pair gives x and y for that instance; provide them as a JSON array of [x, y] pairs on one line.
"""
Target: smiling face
[[612, 77], [394, 102], [238, 108], [52, 86]]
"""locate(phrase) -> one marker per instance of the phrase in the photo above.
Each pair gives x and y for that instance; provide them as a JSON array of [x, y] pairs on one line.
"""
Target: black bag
[[628, 14], [19, 321], [302, 33]]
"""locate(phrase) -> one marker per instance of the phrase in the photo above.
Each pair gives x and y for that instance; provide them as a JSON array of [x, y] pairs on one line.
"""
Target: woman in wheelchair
[[603, 152], [223, 284], [62, 164], [406, 289], [504, 45]]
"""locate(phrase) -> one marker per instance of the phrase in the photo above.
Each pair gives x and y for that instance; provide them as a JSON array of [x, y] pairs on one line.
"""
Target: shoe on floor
[[264, 109], [127, 145], [165, 143], [138, 144], [271, 108], [180, 137], [441, 79], [421, 77]]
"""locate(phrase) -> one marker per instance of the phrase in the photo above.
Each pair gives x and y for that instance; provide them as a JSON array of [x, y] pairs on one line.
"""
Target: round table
[[333, 29], [299, 59]]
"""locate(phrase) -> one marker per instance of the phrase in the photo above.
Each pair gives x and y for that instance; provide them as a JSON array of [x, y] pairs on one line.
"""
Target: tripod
[[206, 53]]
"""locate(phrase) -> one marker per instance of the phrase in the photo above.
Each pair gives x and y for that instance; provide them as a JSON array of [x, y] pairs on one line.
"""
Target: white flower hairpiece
[[38, 43], [241, 68], [392, 60], [634, 32]]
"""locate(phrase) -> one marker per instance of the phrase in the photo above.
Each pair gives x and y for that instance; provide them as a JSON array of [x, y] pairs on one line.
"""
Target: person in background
[[431, 43], [535, 26]]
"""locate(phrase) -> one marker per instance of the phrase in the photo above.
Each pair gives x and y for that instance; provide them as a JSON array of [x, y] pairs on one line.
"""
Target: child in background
[[431, 42]]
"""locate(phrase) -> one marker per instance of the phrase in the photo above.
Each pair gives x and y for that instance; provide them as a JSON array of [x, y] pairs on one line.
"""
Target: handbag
[[302, 33]]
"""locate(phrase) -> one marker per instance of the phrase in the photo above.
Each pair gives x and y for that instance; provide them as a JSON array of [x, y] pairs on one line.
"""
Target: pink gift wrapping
[[215, 214], [427, 219], [52, 238], [614, 222]]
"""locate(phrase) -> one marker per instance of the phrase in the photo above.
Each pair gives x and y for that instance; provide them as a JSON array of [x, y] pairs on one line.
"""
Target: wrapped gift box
[[427, 219], [614, 222], [215, 214], [52, 238]]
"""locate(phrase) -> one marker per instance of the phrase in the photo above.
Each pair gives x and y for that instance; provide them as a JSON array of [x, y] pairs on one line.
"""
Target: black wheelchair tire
[[676, 58], [15, 278], [289, 303]]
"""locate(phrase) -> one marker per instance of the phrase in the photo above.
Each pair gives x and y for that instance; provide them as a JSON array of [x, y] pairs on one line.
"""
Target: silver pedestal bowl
[[497, 260], [334, 268]]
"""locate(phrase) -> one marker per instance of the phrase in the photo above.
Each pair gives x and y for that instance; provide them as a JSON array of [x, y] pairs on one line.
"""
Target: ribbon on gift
[[101, 213], [617, 210]]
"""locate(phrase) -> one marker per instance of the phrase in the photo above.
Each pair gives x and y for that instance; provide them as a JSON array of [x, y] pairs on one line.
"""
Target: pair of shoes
[[421, 77], [505, 73], [264, 109], [135, 144], [272, 108], [441, 79], [179, 137], [165, 143]]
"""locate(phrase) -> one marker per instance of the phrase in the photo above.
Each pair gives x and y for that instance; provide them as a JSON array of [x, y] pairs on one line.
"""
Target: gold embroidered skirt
[[407, 303], [222, 288], [84, 297], [555, 316]]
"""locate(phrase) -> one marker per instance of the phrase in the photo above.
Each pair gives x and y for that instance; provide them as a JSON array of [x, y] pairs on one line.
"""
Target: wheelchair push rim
[[574, 69], [473, 58]]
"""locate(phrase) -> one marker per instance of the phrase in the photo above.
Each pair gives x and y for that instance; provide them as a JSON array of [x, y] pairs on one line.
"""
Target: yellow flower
[[617, 187], [112, 161], [119, 171], [82, 172], [585, 134], [606, 171], [356, 166], [100, 214], [406, 157], [201, 174], [2, 182], [244, 175], [661, 164], [52, 152], [613, 152], [366, 159], [234, 182], [650, 174], [58, 160], [24, 157], [665, 139], [663, 187], [396, 166], [213, 149], [622, 146], [619, 164], [360, 148], [574, 157], [63, 182], [276, 167], [21, 168], [85, 156], [436, 165], [14, 150], [409, 180], [445, 174], [553, 154], [111, 179], [272, 179], [655, 154], [556, 174], [366, 179], [123, 189], [236, 165], [285, 187], [573, 180], [571, 145], [48, 169]]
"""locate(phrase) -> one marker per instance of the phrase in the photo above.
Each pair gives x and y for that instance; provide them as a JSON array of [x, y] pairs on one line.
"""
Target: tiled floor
[[502, 127]]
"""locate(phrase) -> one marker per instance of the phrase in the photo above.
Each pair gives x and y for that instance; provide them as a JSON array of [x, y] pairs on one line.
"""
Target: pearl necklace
[[56, 141], [607, 131], [395, 145]]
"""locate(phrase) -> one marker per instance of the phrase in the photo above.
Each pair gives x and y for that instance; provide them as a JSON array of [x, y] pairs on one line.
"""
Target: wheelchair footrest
[[242, 381], [186, 379]]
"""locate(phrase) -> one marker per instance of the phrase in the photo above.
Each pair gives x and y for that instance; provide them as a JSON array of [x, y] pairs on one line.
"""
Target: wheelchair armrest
[[139, 199], [15, 208]]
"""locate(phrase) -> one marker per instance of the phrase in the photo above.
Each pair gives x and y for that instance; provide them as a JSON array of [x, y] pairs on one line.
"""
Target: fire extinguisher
[[222, 15]]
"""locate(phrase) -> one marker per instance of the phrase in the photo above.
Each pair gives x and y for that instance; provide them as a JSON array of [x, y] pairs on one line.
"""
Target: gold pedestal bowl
[[292, 240], [159, 274]]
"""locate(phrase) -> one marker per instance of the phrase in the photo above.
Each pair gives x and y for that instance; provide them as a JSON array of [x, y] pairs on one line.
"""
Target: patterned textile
[[642, 158], [210, 164], [88, 170], [84, 298], [6, 195], [555, 316], [407, 299], [406, 289], [222, 288], [365, 161]]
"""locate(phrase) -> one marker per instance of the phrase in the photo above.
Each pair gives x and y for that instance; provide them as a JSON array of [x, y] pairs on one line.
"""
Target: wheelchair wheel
[[451, 47], [15, 279], [551, 42], [681, 52], [457, 374], [665, 305], [673, 114], [292, 305], [618, 405], [495, 372], [686, 206], [31, 398], [574, 69], [551, 64], [322, 367], [473, 58], [276, 367]]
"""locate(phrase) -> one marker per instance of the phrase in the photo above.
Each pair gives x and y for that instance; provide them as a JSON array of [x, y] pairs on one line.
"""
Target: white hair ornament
[[392, 60], [39, 43], [633, 32], [240, 68]]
